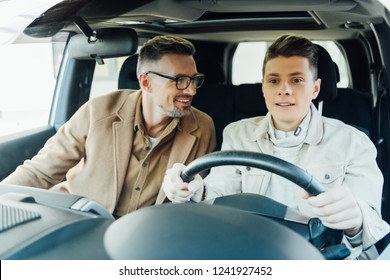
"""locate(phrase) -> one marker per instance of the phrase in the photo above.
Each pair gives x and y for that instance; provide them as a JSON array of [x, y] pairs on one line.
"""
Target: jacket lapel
[[123, 134], [182, 146]]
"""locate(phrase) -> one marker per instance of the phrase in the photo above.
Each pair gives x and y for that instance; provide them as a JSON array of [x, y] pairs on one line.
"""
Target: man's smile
[[185, 100]]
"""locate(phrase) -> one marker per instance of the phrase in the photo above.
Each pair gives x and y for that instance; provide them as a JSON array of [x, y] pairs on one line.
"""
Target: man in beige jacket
[[116, 148], [339, 156]]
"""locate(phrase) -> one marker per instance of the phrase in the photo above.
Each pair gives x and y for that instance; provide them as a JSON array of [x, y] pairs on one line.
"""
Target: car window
[[28, 77], [248, 59], [105, 76]]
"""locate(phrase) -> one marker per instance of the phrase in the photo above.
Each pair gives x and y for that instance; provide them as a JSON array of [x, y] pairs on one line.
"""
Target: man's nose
[[191, 90]]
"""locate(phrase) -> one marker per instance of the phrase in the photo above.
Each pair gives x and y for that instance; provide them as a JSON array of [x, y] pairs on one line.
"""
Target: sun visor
[[104, 43]]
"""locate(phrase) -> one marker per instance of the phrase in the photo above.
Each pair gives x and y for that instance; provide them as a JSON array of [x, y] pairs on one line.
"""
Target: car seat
[[215, 97], [128, 74]]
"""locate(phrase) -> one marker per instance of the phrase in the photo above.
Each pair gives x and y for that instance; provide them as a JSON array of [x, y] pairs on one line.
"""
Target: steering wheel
[[252, 159], [322, 237], [226, 229]]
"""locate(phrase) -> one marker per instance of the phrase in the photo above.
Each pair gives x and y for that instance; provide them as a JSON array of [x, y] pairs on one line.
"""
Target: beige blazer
[[98, 139]]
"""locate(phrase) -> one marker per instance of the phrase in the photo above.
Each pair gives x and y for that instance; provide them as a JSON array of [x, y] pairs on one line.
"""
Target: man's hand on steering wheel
[[337, 208], [178, 191]]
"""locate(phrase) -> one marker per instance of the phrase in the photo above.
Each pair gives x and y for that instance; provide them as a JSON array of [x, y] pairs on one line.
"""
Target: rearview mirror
[[106, 43]]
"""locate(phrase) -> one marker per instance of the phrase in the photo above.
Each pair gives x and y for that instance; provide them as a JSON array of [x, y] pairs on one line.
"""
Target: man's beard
[[175, 113]]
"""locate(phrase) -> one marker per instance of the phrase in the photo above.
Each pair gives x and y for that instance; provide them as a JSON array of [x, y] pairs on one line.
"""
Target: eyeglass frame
[[176, 78]]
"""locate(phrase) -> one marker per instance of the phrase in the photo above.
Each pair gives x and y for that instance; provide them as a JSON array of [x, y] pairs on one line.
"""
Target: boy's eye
[[297, 80]]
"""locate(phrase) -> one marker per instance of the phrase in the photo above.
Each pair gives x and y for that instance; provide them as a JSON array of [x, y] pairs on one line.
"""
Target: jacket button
[[327, 176], [137, 189], [248, 168]]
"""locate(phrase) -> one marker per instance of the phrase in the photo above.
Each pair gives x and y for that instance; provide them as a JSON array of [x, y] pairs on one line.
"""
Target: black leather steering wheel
[[258, 160]]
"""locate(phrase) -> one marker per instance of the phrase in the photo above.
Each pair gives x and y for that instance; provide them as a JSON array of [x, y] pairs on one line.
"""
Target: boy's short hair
[[289, 45]]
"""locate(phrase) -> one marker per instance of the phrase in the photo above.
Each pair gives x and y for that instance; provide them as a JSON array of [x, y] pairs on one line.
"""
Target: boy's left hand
[[337, 208]]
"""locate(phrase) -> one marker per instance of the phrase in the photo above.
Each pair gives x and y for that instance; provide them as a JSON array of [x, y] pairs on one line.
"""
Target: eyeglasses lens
[[198, 81], [184, 82]]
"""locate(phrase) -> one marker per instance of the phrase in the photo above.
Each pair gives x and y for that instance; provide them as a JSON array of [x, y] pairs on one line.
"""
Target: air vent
[[13, 216]]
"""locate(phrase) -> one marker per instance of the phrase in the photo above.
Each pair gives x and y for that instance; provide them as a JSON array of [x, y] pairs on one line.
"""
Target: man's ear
[[144, 82], [317, 87]]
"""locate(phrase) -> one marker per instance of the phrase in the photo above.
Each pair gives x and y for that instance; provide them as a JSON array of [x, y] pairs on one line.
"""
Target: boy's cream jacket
[[333, 153]]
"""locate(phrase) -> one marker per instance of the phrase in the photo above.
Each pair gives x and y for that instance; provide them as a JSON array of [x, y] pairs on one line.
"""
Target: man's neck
[[154, 128], [154, 121]]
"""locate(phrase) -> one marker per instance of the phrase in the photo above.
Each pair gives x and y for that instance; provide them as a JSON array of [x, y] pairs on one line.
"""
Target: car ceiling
[[253, 19]]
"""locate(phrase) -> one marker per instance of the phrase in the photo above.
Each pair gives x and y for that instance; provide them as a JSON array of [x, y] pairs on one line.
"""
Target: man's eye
[[272, 81]]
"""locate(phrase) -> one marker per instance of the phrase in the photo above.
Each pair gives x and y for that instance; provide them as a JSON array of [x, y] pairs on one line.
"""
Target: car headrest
[[107, 43], [212, 69], [128, 74], [327, 74], [337, 72]]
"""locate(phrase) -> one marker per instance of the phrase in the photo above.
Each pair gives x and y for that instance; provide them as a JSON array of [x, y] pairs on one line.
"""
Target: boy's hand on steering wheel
[[337, 208]]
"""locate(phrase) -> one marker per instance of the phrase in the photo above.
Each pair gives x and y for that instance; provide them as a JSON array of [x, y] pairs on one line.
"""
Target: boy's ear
[[317, 87]]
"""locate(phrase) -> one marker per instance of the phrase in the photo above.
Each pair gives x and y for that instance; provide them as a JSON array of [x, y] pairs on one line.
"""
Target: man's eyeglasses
[[182, 81]]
